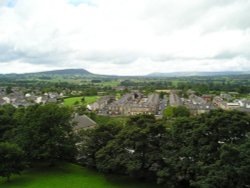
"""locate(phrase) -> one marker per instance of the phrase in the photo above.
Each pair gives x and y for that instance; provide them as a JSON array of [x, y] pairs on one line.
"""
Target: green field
[[73, 100], [69, 176]]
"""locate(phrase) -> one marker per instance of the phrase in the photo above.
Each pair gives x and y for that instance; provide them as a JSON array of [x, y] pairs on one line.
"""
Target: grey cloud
[[231, 55], [124, 57], [10, 53]]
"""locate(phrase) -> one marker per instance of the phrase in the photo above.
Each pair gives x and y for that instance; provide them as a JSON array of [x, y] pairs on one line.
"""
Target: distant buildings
[[198, 105], [19, 97], [135, 103], [174, 99], [129, 104], [100, 104]]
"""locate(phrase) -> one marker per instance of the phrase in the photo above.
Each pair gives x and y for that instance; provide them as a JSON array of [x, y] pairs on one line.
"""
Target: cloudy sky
[[125, 37]]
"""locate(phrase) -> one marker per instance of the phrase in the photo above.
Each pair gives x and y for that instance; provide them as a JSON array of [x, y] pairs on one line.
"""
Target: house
[[7, 100], [207, 98], [135, 103], [232, 105], [101, 103], [219, 102], [196, 99], [196, 109], [174, 99], [244, 103], [41, 99], [82, 122], [21, 103]]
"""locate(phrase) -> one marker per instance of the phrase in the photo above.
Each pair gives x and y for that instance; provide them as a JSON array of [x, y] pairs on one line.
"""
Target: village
[[133, 102], [20, 97], [136, 103]]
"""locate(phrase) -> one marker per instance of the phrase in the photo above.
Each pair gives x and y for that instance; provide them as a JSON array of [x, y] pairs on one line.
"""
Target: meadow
[[69, 176], [78, 100]]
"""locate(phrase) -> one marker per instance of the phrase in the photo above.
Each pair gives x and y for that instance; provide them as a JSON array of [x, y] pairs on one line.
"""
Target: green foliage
[[209, 150], [45, 133], [11, 159], [93, 140], [7, 122], [8, 90], [179, 111], [134, 151]]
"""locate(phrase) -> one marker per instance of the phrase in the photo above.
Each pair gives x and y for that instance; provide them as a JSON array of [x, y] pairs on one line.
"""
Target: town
[[132, 102]]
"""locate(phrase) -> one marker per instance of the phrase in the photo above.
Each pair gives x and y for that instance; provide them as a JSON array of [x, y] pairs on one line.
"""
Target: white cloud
[[125, 36]]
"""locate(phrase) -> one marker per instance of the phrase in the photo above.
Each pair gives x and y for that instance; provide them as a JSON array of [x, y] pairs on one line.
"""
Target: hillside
[[66, 72]]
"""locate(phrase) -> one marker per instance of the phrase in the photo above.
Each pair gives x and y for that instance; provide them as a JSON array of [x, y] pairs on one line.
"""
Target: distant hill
[[54, 73], [65, 72], [187, 74]]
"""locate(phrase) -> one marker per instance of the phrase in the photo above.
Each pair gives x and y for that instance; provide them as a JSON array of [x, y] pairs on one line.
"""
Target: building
[[244, 103], [219, 102], [197, 100], [207, 98], [135, 103], [232, 105], [174, 99], [82, 122], [100, 104], [197, 109]]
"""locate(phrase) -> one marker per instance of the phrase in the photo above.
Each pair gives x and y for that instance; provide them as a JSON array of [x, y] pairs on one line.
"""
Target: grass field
[[69, 176], [73, 100]]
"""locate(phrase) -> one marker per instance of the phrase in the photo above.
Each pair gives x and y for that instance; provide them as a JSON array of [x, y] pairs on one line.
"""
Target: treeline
[[207, 151], [207, 86]]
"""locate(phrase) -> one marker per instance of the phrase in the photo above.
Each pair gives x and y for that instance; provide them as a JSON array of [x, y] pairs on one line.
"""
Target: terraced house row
[[130, 104]]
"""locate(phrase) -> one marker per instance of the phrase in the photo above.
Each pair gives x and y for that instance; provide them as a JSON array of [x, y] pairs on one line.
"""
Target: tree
[[11, 160], [45, 133], [7, 122], [83, 99], [221, 148], [176, 170], [135, 150], [204, 152], [92, 140], [8, 90], [179, 111]]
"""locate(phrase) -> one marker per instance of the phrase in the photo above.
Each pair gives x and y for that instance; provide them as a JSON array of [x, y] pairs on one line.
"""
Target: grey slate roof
[[83, 122]]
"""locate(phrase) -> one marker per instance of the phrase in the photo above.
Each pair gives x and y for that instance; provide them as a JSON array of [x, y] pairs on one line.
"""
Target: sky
[[124, 37]]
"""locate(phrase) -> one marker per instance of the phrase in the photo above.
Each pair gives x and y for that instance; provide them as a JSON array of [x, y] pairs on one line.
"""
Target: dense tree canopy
[[210, 150], [7, 122], [11, 159], [45, 133]]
